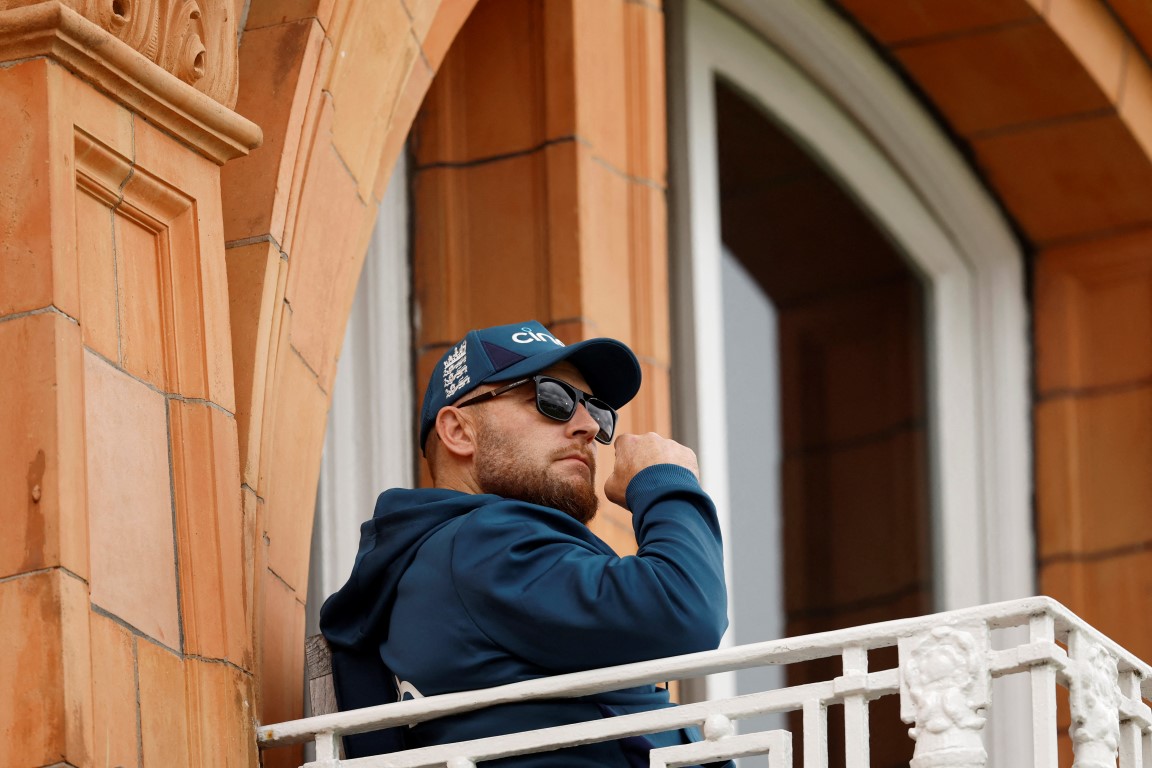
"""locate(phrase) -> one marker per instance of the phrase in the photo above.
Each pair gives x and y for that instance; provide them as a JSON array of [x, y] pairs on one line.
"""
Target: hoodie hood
[[355, 617]]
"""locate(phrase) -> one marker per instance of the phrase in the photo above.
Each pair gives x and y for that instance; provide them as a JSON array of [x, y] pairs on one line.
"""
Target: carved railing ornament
[[195, 40], [1094, 698], [944, 691]]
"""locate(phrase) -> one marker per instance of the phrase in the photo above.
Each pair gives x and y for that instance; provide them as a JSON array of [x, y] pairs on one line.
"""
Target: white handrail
[[960, 636]]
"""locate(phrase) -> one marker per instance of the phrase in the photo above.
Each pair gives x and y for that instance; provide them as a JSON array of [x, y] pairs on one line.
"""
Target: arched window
[[785, 102]]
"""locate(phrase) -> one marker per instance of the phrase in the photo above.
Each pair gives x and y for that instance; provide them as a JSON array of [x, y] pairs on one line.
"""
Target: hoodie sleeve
[[539, 584]]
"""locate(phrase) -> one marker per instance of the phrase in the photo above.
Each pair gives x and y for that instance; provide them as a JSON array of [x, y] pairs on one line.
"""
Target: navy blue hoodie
[[454, 592]]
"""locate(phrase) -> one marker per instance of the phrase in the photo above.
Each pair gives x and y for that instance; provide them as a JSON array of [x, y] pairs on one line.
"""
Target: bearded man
[[493, 576]]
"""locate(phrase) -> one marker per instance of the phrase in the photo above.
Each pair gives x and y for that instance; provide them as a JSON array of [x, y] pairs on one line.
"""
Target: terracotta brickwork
[[1053, 101], [1094, 430], [122, 580], [539, 188]]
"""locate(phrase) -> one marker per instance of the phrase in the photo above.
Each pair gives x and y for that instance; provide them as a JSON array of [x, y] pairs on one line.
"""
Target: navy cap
[[507, 352]]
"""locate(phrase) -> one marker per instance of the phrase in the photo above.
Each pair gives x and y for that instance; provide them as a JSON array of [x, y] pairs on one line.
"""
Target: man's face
[[522, 454]]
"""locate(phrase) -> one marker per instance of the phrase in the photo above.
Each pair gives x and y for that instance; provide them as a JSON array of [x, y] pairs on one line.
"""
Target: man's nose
[[582, 424]]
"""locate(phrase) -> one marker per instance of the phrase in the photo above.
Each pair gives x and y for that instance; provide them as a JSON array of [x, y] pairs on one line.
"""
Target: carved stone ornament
[[195, 40], [944, 691], [1094, 698]]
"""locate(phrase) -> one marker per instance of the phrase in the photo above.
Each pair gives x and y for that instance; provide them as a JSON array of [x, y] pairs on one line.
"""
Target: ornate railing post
[[944, 690], [1094, 697]]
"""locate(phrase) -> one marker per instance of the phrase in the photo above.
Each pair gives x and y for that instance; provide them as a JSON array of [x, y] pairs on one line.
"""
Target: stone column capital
[[166, 72]]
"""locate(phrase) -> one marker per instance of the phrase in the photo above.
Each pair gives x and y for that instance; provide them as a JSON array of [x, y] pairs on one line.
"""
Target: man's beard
[[503, 470]]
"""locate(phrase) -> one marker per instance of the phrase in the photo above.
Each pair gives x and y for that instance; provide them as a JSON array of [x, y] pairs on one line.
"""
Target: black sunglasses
[[558, 400]]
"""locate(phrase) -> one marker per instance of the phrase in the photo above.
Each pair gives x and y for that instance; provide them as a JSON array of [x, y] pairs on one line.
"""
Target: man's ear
[[457, 432]]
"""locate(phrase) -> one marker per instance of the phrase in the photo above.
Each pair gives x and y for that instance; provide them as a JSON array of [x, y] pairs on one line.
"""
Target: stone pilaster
[[122, 567]]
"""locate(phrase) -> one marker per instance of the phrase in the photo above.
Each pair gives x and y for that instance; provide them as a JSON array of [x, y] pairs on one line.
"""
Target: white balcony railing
[[947, 663]]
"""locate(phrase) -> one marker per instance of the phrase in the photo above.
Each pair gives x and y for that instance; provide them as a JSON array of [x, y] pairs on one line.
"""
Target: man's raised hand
[[637, 452]]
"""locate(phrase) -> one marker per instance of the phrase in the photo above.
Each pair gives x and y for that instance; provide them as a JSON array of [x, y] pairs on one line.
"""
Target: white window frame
[[825, 85]]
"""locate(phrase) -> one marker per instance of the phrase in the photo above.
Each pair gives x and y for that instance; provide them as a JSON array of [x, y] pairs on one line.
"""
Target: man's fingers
[[635, 453]]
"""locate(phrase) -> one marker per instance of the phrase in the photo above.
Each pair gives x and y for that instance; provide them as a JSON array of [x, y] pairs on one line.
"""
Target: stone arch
[[300, 210], [334, 87]]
